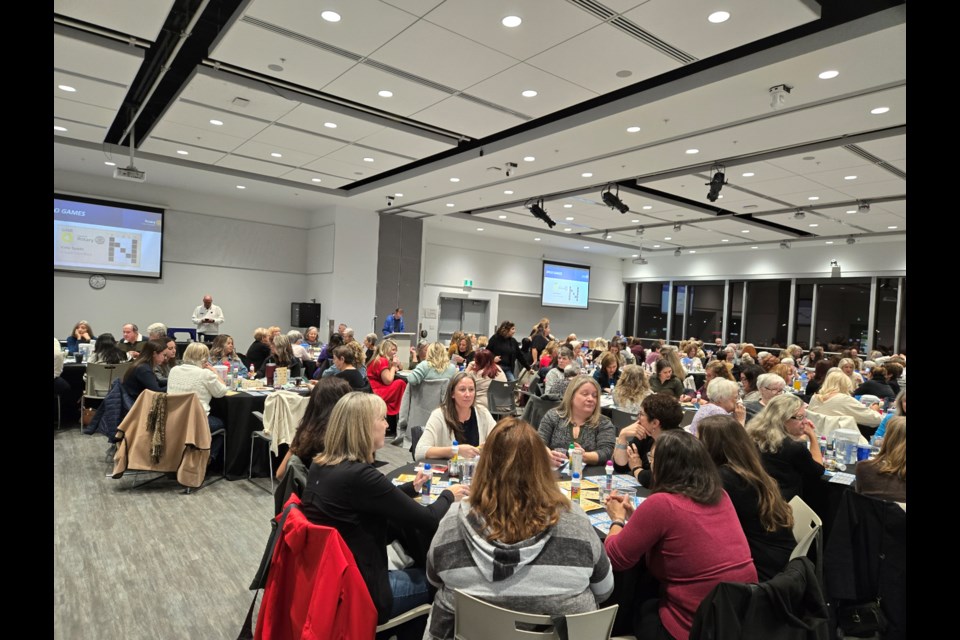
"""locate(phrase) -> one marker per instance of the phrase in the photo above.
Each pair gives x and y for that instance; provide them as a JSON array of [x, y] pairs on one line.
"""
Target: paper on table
[[600, 520], [843, 478], [589, 505]]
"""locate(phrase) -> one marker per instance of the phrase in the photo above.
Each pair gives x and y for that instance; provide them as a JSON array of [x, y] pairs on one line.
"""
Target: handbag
[[862, 619], [86, 415]]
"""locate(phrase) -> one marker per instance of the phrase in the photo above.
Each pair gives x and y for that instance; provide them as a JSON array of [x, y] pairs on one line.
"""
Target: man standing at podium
[[208, 317], [393, 323]]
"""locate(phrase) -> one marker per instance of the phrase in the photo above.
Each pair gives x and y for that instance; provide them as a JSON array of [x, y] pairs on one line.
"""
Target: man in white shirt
[[208, 317]]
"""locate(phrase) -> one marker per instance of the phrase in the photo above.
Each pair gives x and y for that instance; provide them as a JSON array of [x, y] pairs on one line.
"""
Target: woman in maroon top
[[687, 531]]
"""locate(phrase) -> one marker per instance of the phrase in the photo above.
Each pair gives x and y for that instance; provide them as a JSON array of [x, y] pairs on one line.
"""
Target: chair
[[536, 408], [807, 528], [500, 398], [825, 425], [99, 378], [186, 442], [190, 331], [415, 434], [260, 435], [282, 413], [479, 620], [687, 419], [622, 419], [418, 403]]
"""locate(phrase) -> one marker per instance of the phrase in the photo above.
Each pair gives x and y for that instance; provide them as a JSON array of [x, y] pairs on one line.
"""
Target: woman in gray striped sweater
[[518, 543]]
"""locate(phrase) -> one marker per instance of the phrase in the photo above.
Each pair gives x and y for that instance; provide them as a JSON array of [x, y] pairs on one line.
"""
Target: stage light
[[614, 201], [716, 183], [540, 213]]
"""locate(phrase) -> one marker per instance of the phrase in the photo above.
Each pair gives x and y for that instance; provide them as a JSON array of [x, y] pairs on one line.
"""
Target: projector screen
[[96, 236], [565, 285]]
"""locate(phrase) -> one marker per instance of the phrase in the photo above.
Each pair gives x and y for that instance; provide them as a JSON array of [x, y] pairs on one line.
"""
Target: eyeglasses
[[797, 417], [776, 390]]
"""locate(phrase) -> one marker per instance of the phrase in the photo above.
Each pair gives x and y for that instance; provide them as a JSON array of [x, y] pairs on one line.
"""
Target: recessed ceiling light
[[182, 152], [568, 218], [748, 174], [668, 238], [240, 186], [850, 211], [586, 246], [479, 228], [692, 151], [720, 196], [568, 206], [826, 75], [892, 227], [586, 175], [450, 204], [692, 251], [567, 229], [276, 155], [529, 93], [814, 225], [635, 255], [66, 87], [110, 164], [57, 127], [528, 158], [754, 247], [508, 192], [813, 198], [879, 110], [330, 125], [633, 129], [829, 242], [383, 93], [724, 240], [647, 207], [316, 180], [718, 16], [398, 195], [217, 123], [454, 179], [635, 220], [502, 217], [745, 231], [368, 159], [330, 16], [511, 21], [536, 239]]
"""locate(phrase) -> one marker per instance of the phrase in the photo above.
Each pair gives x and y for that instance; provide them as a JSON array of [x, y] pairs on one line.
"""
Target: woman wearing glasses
[[770, 385], [789, 445]]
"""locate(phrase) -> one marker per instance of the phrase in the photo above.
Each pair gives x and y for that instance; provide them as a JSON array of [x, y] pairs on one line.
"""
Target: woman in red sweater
[[687, 531]]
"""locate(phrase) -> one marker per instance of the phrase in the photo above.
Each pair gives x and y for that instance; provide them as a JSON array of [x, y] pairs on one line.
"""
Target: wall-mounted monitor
[[99, 236], [565, 285]]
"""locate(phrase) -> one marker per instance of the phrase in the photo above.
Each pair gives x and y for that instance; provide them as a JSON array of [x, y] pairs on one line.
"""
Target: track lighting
[[716, 183], [784, 244], [863, 207], [851, 240], [676, 253], [799, 215], [540, 213], [614, 201], [639, 231], [677, 227]]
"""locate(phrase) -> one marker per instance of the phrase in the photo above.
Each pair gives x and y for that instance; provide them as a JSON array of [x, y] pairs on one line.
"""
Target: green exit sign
[[468, 283]]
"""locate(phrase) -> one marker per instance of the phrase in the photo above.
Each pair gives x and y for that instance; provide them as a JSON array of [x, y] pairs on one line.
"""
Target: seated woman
[[382, 374], [312, 337], [632, 388], [483, 370], [549, 352], [900, 405], [224, 352], [748, 382], [81, 334], [848, 367], [555, 382], [460, 418], [578, 421], [820, 371], [885, 476], [810, 360], [162, 370], [690, 360], [106, 351], [615, 346], [345, 362], [436, 365], [894, 371], [714, 370], [659, 412], [686, 532], [345, 491], [723, 396], [789, 445], [511, 541], [369, 346], [770, 385], [665, 381], [608, 373], [766, 518], [299, 345], [454, 347], [259, 349], [834, 399], [359, 360], [876, 385], [464, 351], [307, 442], [140, 375], [281, 354], [196, 375]]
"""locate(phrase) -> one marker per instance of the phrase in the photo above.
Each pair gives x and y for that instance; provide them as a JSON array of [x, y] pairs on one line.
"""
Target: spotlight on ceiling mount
[[607, 235], [784, 244], [716, 182], [676, 253], [540, 213], [778, 95], [509, 168], [863, 207], [639, 260], [851, 240], [614, 201], [677, 227], [639, 231], [799, 215]]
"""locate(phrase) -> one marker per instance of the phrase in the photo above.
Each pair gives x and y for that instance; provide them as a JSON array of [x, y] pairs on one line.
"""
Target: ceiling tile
[[302, 141], [103, 59], [306, 177], [89, 91], [168, 148], [219, 92], [416, 7], [468, 118], [192, 135], [79, 112], [362, 83], [354, 155], [140, 18], [403, 143], [79, 131], [309, 117], [251, 166], [199, 117], [553, 93], [826, 226], [261, 151], [338, 168], [889, 149]]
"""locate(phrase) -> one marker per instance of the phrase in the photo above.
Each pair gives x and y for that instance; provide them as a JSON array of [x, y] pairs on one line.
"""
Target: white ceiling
[[303, 125]]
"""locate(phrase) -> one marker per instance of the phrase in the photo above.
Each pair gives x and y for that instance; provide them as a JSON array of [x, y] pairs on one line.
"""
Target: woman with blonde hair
[[578, 421], [345, 491], [789, 444], [196, 375], [281, 354], [459, 418], [885, 476], [436, 365], [259, 349], [224, 352], [848, 366], [508, 544], [834, 399], [384, 381], [631, 389]]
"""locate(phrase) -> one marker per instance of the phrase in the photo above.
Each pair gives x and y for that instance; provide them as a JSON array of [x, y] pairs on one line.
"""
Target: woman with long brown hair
[[766, 518], [460, 419], [518, 541], [484, 370], [885, 476], [308, 440]]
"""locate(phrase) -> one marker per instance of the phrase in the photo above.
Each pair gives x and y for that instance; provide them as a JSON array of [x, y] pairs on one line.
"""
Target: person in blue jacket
[[393, 323]]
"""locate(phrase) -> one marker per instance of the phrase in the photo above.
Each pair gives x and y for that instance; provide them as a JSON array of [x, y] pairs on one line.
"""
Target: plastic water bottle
[[454, 456], [251, 373], [570, 451], [576, 460], [575, 487], [608, 478], [425, 496]]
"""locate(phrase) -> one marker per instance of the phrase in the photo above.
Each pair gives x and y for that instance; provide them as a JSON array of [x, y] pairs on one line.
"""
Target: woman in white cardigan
[[834, 399], [458, 418]]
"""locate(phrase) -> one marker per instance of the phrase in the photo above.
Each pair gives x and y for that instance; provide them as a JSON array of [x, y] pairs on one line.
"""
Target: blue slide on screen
[[565, 285]]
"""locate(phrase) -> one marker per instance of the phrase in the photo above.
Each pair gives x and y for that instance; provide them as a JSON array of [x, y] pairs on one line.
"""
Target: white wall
[[508, 274], [353, 289]]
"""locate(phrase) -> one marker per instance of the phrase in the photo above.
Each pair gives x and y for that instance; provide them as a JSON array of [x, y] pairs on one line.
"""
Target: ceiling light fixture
[[383, 93], [330, 16], [529, 93], [718, 16], [863, 207], [607, 235], [66, 87], [614, 201], [540, 213], [639, 231], [799, 215], [676, 253], [778, 95], [677, 227], [633, 129], [57, 127], [217, 123], [784, 244], [716, 182], [851, 240], [511, 21], [827, 75]]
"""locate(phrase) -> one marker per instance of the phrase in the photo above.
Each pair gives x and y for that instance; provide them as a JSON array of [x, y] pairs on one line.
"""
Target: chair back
[[416, 432], [623, 419], [807, 530], [826, 425], [500, 398], [420, 400], [687, 419], [536, 408], [282, 412], [478, 620], [100, 376]]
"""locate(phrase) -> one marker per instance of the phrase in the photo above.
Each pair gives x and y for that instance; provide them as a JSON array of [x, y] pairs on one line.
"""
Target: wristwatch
[[619, 523]]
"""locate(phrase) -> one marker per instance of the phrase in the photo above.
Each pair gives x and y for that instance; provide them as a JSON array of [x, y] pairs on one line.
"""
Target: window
[[768, 305], [735, 313], [629, 308], [885, 315], [803, 315], [652, 321], [705, 312], [843, 309]]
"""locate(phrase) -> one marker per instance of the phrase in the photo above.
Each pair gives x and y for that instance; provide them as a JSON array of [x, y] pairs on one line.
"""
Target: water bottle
[[608, 478], [570, 451], [575, 487], [425, 497], [454, 468], [823, 447], [803, 382], [251, 373], [576, 460], [698, 397]]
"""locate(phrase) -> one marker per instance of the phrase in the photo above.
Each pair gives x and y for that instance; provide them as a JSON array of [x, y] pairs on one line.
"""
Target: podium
[[404, 342]]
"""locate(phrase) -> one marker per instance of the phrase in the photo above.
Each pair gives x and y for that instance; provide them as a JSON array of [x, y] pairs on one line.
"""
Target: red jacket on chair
[[314, 590]]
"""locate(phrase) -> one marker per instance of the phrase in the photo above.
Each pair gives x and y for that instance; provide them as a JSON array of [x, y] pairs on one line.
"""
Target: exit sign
[[468, 283]]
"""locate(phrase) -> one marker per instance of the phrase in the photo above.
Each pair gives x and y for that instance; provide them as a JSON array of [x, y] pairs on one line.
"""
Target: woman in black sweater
[[503, 344], [140, 375]]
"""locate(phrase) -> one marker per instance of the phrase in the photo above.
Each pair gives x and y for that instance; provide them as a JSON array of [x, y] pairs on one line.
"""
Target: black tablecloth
[[236, 411]]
